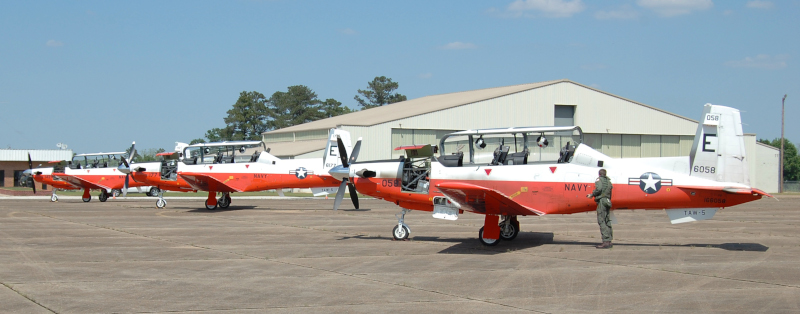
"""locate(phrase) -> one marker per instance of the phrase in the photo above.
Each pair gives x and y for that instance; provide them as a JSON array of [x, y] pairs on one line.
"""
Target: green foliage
[[197, 141], [247, 119], [379, 93], [298, 105], [791, 161], [148, 154]]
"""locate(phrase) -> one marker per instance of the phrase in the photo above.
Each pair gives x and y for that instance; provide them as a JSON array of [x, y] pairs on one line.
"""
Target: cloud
[[547, 8], [762, 61], [457, 45], [623, 13], [669, 8], [54, 43], [426, 75], [348, 31], [758, 4]]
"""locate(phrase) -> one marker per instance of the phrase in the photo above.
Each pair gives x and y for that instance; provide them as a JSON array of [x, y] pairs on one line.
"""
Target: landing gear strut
[[211, 202], [86, 196], [401, 231], [509, 228], [161, 202], [54, 197], [225, 200]]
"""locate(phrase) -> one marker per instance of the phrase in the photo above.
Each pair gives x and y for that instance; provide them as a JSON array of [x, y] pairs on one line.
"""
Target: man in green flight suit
[[602, 195]]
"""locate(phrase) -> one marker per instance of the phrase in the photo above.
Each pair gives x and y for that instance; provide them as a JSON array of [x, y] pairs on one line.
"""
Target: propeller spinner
[[344, 169]]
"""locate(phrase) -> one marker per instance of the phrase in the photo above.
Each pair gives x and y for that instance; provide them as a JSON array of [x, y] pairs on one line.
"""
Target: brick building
[[14, 161]]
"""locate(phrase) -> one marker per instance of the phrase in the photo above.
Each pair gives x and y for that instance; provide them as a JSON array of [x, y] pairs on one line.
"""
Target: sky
[[97, 75]]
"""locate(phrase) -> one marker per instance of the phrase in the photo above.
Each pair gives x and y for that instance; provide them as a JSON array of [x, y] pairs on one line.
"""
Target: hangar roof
[[36, 154], [427, 104]]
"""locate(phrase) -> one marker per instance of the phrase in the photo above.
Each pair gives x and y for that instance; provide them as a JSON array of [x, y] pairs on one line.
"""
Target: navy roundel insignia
[[301, 173], [650, 182]]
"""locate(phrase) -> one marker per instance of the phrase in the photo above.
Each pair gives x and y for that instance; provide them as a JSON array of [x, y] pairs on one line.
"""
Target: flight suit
[[602, 195]]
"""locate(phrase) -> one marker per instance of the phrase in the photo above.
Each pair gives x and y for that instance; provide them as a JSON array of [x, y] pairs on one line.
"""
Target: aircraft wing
[[730, 190], [81, 183], [203, 182], [483, 200]]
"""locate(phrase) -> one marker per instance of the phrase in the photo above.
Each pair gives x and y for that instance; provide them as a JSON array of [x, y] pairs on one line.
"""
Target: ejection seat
[[454, 160], [520, 158], [566, 152], [500, 155]]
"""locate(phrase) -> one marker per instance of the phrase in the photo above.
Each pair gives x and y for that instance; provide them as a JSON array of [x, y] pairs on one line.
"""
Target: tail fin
[[718, 152], [330, 157]]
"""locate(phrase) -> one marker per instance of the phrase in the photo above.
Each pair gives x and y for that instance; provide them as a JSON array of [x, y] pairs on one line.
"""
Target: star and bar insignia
[[301, 173], [650, 182]]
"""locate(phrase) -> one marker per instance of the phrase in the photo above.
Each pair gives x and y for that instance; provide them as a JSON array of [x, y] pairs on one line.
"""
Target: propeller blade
[[30, 167], [356, 149], [125, 162], [132, 152], [353, 194], [339, 195], [342, 152], [125, 189]]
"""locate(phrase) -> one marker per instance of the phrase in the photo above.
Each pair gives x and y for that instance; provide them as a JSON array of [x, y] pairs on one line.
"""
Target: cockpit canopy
[[510, 146], [97, 160], [223, 152]]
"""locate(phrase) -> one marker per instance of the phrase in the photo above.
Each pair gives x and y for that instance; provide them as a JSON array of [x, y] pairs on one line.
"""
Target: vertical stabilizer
[[330, 156], [718, 151]]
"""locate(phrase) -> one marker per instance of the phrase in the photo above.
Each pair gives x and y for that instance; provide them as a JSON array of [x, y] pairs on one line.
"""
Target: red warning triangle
[[488, 171], [553, 169], [247, 166], [210, 167]]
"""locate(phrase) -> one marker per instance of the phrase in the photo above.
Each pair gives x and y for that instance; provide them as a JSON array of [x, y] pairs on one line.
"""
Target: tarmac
[[297, 255]]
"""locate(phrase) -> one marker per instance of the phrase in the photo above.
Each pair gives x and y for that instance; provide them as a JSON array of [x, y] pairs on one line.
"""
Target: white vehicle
[[149, 190]]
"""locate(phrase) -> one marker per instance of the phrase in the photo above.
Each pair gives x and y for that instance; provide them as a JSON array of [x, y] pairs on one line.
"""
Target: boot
[[605, 245]]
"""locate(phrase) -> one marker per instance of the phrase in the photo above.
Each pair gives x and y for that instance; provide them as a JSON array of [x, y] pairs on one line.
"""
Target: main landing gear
[[508, 229], [223, 202], [103, 195], [401, 231], [161, 202], [86, 196]]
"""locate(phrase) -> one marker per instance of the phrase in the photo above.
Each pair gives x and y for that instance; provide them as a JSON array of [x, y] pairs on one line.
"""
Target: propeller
[[346, 168], [127, 169], [30, 170]]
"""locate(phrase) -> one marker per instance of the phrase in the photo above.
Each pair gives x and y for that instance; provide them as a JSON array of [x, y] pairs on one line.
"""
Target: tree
[[379, 93], [148, 154], [298, 105], [791, 161], [197, 141], [247, 119]]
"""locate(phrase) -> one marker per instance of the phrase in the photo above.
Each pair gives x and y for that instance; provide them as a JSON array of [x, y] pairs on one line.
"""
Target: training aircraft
[[537, 180], [98, 171], [44, 175], [216, 167], [162, 175]]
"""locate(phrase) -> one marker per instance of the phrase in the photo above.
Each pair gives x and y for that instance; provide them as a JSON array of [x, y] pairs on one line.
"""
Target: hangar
[[14, 161], [615, 126]]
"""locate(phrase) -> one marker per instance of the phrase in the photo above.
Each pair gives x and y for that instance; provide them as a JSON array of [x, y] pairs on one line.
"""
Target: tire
[[103, 196], [153, 192], [54, 198], [210, 207], [116, 192], [486, 242], [160, 203], [86, 199], [511, 233], [400, 232], [224, 202]]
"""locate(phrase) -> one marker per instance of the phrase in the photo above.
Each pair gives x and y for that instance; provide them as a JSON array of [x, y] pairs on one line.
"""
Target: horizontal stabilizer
[[677, 216], [324, 191]]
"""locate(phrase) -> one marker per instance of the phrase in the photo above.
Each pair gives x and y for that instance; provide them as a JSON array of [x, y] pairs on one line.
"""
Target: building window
[[564, 115], [17, 176], [2, 178]]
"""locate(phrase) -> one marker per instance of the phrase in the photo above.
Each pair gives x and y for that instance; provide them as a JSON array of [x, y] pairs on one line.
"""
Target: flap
[[483, 200]]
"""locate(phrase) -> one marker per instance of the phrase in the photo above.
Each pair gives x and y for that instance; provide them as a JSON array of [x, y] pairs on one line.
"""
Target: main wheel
[[160, 203], [153, 192], [400, 232], [224, 202], [54, 198], [86, 199], [510, 231], [209, 207], [103, 196], [487, 242], [116, 192]]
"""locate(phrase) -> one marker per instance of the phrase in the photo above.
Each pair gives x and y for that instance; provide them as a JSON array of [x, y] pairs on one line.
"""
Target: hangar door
[[405, 137]]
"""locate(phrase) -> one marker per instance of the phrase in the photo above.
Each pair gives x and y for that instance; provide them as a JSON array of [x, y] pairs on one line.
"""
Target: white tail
[[718, 152], [330, 158]]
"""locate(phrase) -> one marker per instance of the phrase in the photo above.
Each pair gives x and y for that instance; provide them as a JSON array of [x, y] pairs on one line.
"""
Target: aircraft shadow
[[217, 210], [534, 239]]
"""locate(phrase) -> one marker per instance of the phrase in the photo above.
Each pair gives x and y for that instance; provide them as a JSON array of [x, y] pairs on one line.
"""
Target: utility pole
[[783, 108]]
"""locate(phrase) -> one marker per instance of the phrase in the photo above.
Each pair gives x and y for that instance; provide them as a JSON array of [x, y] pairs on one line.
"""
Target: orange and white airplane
[[537, 180], [97, 171], [45, 175], [216, 168], [162, 175]]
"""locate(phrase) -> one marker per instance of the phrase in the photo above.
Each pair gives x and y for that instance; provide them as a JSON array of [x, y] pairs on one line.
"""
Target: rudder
[[718, 151]]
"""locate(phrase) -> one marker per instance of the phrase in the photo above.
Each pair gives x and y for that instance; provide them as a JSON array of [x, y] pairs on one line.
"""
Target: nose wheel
[[161, 202], [54, 197], [401, 230]]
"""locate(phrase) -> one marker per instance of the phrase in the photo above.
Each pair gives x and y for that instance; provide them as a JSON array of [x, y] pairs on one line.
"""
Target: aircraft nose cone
[[339, 172], [124, 169], [27, 172]]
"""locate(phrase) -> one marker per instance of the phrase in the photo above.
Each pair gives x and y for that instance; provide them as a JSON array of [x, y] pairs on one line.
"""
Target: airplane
[[538, 181], [44, 175], [160, 174], [97, 171], [217, 168]]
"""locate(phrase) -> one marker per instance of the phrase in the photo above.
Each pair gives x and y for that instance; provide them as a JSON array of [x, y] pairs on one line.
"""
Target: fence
[[791, 186]]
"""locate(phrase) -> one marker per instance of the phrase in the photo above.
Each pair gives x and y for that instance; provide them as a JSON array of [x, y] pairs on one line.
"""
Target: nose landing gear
[[401, 230]]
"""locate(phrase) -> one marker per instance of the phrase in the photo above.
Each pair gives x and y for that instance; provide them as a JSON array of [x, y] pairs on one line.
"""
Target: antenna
[[62, 145]]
